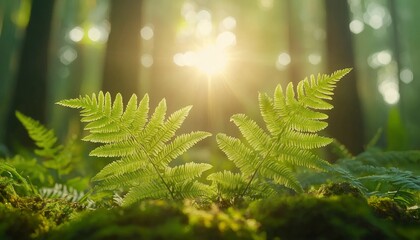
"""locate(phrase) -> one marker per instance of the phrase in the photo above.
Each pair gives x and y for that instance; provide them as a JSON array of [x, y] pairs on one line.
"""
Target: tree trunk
[[122, 60], [345, 122], [31, 81]]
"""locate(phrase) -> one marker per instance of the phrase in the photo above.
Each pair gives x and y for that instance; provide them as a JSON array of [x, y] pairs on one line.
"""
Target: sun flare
[[211, 59]]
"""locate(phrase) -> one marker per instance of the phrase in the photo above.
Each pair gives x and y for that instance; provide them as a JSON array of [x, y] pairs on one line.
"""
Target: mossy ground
[[306, 216]]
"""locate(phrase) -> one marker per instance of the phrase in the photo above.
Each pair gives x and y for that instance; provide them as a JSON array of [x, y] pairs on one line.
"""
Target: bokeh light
[[283, 60], [356, 26], [76, 34], [147, 33], [389, 91], [406, 75]]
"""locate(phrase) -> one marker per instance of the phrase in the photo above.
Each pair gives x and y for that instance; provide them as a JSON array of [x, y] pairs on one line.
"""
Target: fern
[[144, 147], [44, 138], [9, 177], [378, 174], [61, 191], [267, 158], [51, 161]]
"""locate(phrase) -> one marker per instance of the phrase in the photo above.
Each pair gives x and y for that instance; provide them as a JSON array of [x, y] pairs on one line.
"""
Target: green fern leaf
[[237, 152], [44, 138], [144, 147], [268, 159], [153, 189], [376, 171], [229, 185], [56, 157], [186, 172]]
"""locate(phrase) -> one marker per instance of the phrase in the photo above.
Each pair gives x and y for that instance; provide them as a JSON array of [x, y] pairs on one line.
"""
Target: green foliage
[[51, 162], [386, 208], [36, 194], [268, 159], [61, 191], [12, 181], [144, 147], [44, 138], [386, 173], [392, 174]]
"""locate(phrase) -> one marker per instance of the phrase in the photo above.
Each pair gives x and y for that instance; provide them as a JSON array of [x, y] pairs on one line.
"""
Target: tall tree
[[29, 94], [122, 60], [345, 122], [11, 36]]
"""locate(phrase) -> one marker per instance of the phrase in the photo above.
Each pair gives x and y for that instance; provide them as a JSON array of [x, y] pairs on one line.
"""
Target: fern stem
[[256, 170], [159, 174]]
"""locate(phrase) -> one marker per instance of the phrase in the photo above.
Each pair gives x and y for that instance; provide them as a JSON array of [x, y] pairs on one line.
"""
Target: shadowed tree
[[29, 95], [345, 121], [122, 60]]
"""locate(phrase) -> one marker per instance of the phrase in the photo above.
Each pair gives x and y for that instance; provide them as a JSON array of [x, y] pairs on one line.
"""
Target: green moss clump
[[215, 223], [147, 220], [31, 216], [338, 189], [21, 224], [306, 217], [159, 220], [386, 208]]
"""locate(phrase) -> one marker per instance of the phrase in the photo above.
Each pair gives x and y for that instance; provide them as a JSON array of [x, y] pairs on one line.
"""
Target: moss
[[306, 217], [229, 223], [147, 220], [56, 210], [21, 224], [31, 216], [386, 208], [159, 220], [338, 189]]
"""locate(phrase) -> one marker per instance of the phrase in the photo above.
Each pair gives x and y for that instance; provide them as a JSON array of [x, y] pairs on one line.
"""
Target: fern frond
[[237, 152], [44, 138], [229, 185], [179, 146], [254, 135], [61, 191], [186, 172], [193, 189], [57, 157], [381, 173], [400, 179], [281, 174], [268, 159], [153, 189], [128, 178], [145, 147]]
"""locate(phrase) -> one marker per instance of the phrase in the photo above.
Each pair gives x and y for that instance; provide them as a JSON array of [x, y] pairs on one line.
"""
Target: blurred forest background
[[213, 54]]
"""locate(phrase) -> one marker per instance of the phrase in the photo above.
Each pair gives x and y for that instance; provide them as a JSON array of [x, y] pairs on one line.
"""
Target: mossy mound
[[307, 217], [31, 216], [21, 224], [338, 189], [288, 217], [158, 220]]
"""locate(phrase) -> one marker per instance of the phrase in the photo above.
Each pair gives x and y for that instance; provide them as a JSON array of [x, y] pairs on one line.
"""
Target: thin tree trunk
[[31, 81], [122, 60], [345, 122]]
